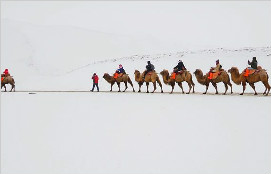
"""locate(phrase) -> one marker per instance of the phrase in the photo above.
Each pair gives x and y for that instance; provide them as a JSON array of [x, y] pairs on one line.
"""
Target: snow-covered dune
[[84, 132], [65, 57]]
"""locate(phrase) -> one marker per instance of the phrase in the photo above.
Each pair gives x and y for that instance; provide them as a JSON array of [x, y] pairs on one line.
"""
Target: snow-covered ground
[[134, 133], [83, 132]]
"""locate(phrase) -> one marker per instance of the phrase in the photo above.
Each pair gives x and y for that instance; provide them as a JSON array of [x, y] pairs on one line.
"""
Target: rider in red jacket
[[95, 79], [6, 73]]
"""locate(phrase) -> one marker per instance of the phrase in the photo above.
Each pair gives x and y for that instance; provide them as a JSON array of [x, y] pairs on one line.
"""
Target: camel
[[148, 78], [238, 79], [223, 77], [8, 80], [185, 76], [124, 78]]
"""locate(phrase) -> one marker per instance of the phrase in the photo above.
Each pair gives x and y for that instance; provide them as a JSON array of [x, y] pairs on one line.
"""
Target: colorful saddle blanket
[[249, 72], [117, 75], [173, 75], [213, 75]]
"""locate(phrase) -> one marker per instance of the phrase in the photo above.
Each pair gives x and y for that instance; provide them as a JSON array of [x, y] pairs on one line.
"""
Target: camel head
[[164, 72], [106, 76], [198, 72], [233, 70], [136, 72]]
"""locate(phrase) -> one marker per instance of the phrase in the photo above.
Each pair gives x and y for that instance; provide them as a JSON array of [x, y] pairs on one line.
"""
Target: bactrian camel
[[150, 77], [8, 80], [261, 75], [185, 76], [223, 77], [124, 78]]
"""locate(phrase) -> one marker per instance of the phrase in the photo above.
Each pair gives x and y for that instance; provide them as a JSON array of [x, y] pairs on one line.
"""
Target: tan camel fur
[[184, 76], [223, 77], [148, 78], [124, 78], [261, 75], [8, 80]]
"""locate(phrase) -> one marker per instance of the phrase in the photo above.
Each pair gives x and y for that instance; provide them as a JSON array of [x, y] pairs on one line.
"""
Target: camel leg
[[154, 86], [265, 91], [214, 84], [131, 83], [172, 88], [181, 86], [4, 87], [253, 87], [125, 86], [244, 87], [160, 84], [207, 86], [190, 86], [140, 84], [118, 83], [226, 88], [111, 86], [267, 88], [147, 83], [229, 83], [193, 85]]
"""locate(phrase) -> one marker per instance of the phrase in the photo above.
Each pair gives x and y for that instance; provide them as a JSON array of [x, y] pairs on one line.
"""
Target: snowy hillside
[[64, 58], [117, 133]]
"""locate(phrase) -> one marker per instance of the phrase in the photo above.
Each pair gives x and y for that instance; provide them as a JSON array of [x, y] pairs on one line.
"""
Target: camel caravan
[[180, 74]]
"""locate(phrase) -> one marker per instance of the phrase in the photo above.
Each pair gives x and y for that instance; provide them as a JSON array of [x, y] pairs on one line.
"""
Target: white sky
[[174, 24]]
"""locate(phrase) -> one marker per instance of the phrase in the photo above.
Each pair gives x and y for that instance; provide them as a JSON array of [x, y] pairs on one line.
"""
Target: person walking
[[95, 79]]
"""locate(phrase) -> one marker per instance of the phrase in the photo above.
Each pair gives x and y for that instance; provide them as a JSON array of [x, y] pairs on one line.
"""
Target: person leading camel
[[95, 79], [150, 67]]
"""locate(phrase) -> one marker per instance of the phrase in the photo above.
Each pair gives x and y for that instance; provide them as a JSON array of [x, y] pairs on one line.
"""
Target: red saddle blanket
[[249, 72], [116, 75], [173, 75], [213, 75]]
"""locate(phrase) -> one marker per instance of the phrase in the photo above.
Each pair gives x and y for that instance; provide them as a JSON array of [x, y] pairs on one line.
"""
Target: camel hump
[[259, 68]]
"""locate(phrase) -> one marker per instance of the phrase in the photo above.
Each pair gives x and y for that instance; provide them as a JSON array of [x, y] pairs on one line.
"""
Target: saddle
[[248, 72], [173, 75], [213, 75], [117, 75]]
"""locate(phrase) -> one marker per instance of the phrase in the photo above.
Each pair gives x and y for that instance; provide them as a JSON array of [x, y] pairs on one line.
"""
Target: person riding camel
[[150, 67], [6, 73], [214, 69], [253, 67], [119, 71], [253, 64], [179, 68]]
